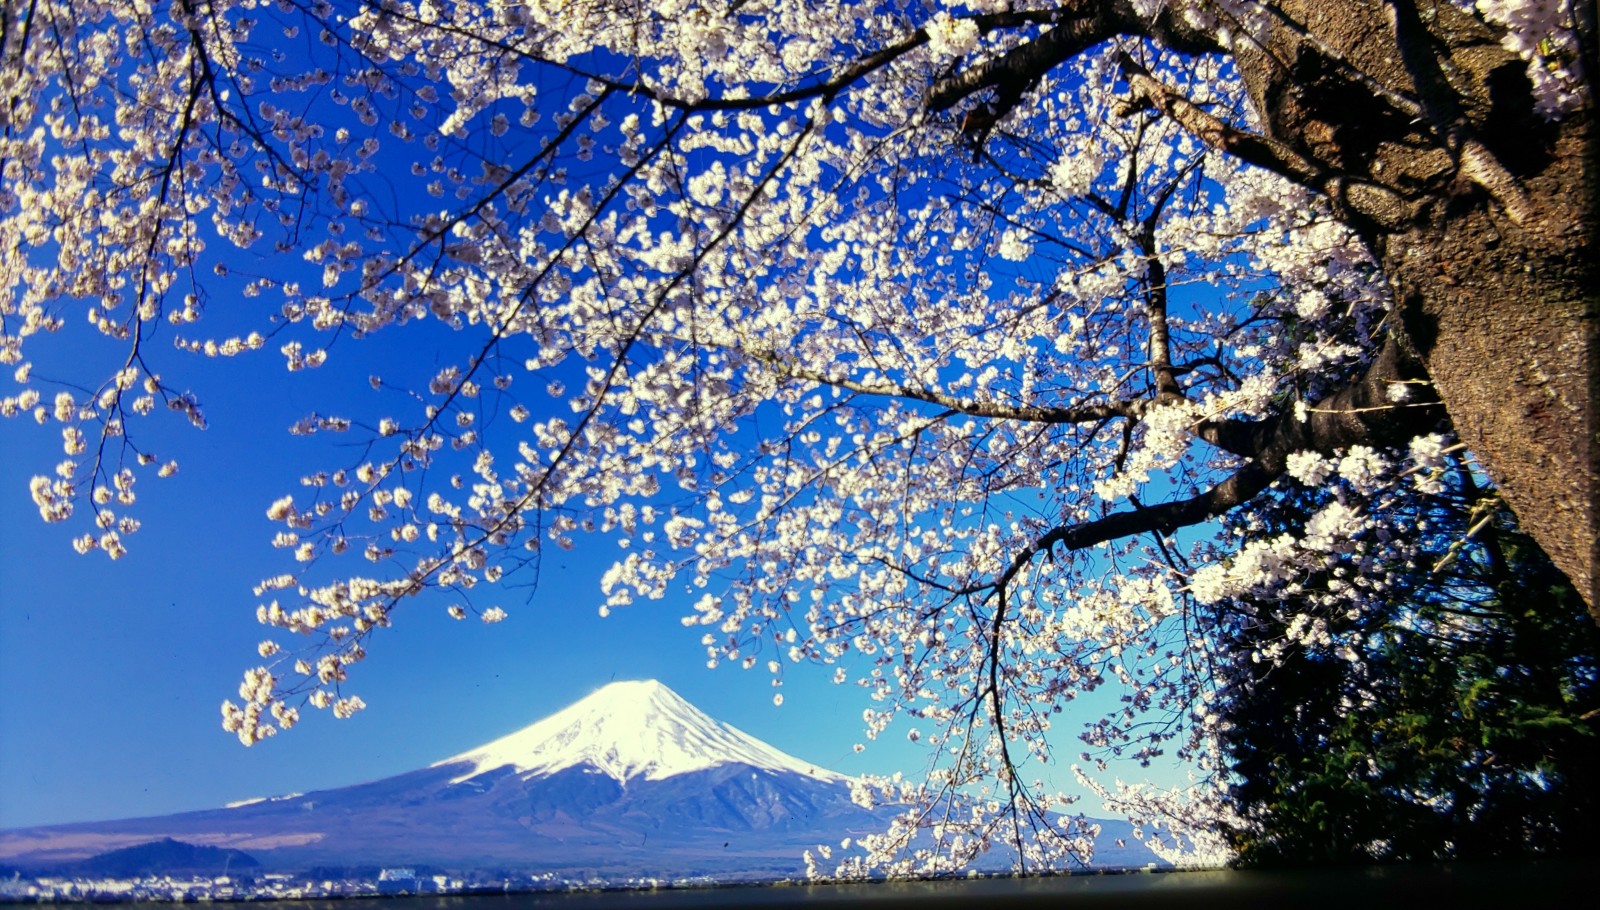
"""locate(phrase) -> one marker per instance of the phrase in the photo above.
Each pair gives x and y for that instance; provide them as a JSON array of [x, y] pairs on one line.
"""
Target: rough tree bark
[[1485, 240], [1419, 128]]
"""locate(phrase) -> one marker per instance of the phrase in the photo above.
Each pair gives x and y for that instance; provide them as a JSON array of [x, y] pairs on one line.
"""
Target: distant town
[[197, 888]]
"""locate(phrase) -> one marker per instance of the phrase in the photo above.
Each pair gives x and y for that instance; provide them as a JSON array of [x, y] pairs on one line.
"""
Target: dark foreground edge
[[1556, 885]]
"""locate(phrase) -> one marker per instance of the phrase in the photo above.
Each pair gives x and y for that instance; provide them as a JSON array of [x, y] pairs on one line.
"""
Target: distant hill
[[167, 857], [631, 781]]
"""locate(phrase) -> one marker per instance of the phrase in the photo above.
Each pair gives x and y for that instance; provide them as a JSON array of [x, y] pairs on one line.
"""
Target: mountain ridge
[[629, 780]]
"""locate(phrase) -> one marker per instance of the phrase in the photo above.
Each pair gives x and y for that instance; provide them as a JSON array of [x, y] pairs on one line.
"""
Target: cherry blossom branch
[[1088, 413], [1351, 416], [513, 518], [1361, 412], [1356, 198], [1023, 65], [825, 89], [504, 326], [1077, 26]]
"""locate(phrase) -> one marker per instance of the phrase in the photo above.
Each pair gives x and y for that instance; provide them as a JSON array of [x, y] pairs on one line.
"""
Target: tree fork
[[1360, 413]]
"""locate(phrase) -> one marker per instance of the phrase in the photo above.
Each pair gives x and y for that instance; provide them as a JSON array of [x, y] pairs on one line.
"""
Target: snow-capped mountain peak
[[627, 730]]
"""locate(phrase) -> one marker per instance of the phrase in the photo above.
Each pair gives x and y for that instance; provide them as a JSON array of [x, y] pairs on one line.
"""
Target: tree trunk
[[1504, 319], [1481, 212]]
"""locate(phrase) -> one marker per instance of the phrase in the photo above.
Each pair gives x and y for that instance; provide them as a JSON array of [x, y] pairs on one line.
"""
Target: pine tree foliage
[[1460, 719]]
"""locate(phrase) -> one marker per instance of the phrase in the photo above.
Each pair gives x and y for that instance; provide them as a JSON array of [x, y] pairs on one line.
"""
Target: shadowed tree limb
[[1361, 413]]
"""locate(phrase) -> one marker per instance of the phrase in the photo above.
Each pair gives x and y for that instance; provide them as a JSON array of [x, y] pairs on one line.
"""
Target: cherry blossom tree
[[926, 338]]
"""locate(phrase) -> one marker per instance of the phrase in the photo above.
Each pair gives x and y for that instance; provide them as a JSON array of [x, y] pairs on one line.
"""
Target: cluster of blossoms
[[1544, 33], [1354, 534]]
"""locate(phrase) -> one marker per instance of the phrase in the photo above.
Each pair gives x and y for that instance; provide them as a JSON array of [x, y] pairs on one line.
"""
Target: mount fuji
[[629, 730], [631, 780]]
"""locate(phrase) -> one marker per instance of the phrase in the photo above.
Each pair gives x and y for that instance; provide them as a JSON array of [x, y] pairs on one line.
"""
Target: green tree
[[1455, 717]]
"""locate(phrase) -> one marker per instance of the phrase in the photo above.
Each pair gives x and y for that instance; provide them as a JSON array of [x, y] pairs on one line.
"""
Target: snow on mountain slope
[[627, 730]]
